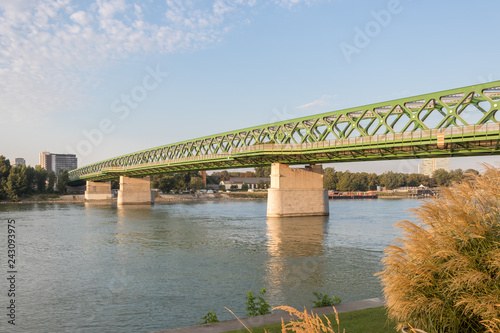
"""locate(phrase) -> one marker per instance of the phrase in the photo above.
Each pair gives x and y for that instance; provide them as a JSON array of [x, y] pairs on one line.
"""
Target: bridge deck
[[464, 119]]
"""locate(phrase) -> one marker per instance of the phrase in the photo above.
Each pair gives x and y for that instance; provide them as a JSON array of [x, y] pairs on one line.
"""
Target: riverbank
[[275, 318], [162, 198], [171, 198]]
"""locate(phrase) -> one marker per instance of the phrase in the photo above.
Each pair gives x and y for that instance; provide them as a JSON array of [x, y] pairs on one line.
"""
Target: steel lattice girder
[[353, 134]]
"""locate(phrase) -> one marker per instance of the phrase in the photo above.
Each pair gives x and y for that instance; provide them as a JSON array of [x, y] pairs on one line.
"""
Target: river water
[[103, 268]]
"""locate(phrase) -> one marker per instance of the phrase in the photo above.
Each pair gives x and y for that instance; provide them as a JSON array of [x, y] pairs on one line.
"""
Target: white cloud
[[80, 17], [292, 3], [51, 50], [323, 101]]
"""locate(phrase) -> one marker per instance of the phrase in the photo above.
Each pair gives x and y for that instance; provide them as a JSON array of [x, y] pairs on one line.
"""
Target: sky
[[109, 77]]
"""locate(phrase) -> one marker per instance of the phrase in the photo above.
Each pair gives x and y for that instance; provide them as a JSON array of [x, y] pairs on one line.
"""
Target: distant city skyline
[[101, 79]]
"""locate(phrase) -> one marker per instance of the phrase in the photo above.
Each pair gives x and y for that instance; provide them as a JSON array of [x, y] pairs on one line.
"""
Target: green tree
[[472, 172], [3, 188], [330, 178], [4, 167], [51, 182], [244, 187], [213, 178], [40, 178], [166, 184], [16, 182], [196, 183], [361, 180], [247, 174], [392, 180], [30, 179], [372, 180], [62, 180], [4, 174], [456, 175], [346, 182], [179, 182], [263, 171], [224, 175], [442, 177]]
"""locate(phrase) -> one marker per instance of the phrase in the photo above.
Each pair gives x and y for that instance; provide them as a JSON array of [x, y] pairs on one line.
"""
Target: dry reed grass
[[307, 322], [444, 274]]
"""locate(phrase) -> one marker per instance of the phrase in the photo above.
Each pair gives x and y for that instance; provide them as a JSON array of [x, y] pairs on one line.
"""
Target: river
[[103, 268]]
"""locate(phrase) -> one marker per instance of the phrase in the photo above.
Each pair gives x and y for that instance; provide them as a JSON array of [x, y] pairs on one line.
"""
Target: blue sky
[[197, 68]]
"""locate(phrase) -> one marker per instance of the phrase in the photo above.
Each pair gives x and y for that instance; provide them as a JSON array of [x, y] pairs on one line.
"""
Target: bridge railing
[[405, 120], [425, 137], [418, 136]]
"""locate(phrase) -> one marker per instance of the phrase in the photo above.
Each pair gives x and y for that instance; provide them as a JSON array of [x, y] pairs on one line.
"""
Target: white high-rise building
[[56, 162], [429, 165]]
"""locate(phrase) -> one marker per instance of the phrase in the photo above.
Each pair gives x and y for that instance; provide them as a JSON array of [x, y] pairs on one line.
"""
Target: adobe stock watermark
[[87, 311], [121, 108], [486, 78], [364, 36]]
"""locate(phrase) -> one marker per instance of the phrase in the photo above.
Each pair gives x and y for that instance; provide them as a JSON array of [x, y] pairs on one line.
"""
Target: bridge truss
[[456, 122]]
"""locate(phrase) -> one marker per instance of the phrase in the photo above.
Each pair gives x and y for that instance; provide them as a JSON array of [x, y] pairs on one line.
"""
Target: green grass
[[372, 320]]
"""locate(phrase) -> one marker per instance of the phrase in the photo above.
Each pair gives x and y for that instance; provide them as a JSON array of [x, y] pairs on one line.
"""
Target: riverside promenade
[[274, 318]]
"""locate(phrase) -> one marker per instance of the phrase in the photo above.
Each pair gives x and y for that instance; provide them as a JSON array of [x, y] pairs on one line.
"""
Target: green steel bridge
[[457, 122]]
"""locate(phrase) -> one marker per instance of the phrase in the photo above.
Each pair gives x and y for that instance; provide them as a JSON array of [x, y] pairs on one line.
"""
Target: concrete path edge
[[274, 318]]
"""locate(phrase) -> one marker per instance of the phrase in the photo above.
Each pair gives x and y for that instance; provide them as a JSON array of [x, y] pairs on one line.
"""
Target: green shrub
[[257, 306], [444, 274], [324, 300], [209, 318]]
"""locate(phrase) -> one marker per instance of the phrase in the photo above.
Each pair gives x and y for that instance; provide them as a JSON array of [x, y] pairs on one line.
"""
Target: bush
[[444, 274], [324, 300], [209, 318], [257, 306]]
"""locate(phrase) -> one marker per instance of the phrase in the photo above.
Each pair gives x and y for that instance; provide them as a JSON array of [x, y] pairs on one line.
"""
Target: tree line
[[363, 181], [19, 181], [193, 181]]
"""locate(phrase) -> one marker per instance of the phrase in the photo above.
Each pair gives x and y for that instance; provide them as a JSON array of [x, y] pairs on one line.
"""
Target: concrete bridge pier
[[297, 191], [98, 191], [135, 191]]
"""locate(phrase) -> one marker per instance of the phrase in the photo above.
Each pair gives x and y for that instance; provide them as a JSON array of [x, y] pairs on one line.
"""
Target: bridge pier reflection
[[296, 248]]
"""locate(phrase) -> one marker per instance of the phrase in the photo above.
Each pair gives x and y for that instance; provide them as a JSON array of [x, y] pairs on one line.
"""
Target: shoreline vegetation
[[174, 198], [29, 184]]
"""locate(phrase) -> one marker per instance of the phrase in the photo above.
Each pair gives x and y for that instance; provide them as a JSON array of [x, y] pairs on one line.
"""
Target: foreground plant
[[324, 300], [209, 318], [307, 322], [444, 274], [257, 305]]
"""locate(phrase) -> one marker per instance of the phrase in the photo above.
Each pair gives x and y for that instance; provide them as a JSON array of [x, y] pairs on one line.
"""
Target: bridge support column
[[135, 191], [296, 191], [98, 191]]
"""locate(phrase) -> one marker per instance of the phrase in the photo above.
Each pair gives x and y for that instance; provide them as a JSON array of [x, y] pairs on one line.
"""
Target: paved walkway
[[275, 318]]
